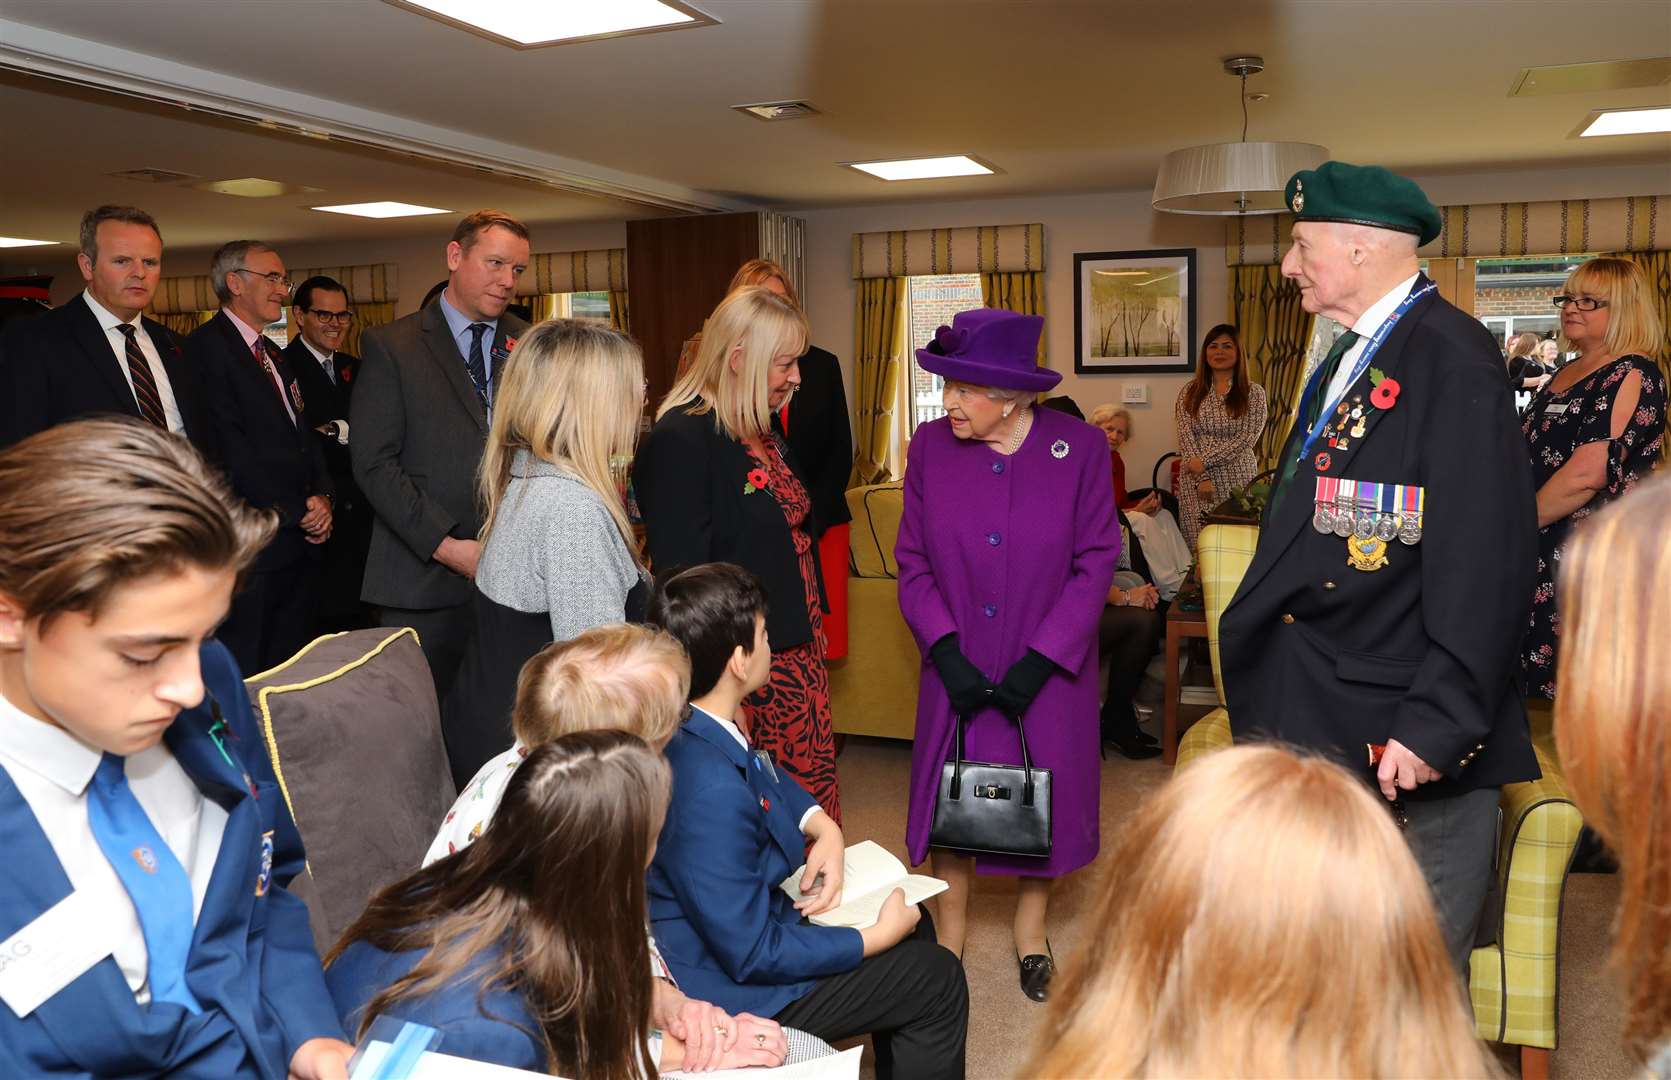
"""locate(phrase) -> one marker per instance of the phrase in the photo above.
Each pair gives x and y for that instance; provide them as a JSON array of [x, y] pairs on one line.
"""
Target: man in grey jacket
[[419, 421]]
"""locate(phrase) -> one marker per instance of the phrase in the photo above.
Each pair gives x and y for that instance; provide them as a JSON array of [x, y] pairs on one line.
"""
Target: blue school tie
[[154, 878]]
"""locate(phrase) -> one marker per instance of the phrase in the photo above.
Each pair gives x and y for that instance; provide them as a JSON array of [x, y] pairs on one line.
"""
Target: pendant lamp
[[1234, 178]]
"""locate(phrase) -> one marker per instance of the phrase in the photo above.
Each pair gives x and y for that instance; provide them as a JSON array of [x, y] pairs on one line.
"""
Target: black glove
[[968, 690], [1022, 683]]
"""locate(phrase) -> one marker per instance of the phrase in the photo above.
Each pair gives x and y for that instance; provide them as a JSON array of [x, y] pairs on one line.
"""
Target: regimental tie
[[263, 350], [144, 382], [1314, 405], [476, 363], [154, 879]]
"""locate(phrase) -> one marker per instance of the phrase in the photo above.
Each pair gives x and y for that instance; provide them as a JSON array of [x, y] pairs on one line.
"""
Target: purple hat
[[990, 347]]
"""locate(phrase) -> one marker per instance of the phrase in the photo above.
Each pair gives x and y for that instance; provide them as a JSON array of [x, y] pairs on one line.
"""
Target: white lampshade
[[1227, 179]]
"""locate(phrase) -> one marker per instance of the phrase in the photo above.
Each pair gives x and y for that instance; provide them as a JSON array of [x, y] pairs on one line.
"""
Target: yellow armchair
[[873, 690]]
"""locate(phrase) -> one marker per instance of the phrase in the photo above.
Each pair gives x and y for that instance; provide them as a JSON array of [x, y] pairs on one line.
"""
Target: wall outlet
[[1134, 394]]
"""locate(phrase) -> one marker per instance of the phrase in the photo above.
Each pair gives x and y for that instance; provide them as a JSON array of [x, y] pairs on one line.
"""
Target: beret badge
[[1297, 203]]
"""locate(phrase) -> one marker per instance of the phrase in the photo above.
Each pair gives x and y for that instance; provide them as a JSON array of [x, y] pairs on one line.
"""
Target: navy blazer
[[252, 964], [727, 932], [688, 479], [272, 462], [495, 1027], [58, 366], [1424, 650]]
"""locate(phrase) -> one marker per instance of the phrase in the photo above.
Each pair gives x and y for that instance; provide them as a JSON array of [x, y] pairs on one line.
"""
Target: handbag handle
[[957, 760]]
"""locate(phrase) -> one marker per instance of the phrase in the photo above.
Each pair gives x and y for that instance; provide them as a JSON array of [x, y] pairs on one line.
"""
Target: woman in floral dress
[[1220, 414], [1593, 431]]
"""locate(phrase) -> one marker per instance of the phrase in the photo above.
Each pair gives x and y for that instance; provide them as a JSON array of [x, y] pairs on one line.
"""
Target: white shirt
[[1369, 322], [331, 374], [119, 345], [475, 805], [736, 733], [52, 768]]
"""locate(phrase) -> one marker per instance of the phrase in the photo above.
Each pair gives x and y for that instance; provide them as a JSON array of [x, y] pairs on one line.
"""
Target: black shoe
[[1133, 746], [1145, 737], [1037, 969]]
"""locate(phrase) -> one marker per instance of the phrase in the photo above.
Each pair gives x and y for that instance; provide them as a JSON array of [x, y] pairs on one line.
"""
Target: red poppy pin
[[346, 374], [1385, 394], [510, 343], [1323, 462], [756, 481], [765, 804]]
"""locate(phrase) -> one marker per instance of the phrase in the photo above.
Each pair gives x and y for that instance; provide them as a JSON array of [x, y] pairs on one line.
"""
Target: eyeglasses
[[1582, 303], [275, 279], [343, 317]]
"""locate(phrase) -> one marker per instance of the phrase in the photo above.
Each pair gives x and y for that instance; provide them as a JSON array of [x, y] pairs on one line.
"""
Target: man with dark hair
[[320, 318], [97, 353], [272, 458], [419, 420]]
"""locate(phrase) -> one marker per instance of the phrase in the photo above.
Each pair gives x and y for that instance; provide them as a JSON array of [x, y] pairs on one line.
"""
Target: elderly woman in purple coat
[[1006, 551]]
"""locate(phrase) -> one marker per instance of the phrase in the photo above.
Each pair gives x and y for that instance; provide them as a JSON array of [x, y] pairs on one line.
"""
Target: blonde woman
[[716, 483], [1594, 431], [558, 555], [1615, 745], [1262, 918]]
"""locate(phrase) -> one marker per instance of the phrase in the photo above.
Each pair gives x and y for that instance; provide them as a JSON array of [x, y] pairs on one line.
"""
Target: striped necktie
[[144, 382]]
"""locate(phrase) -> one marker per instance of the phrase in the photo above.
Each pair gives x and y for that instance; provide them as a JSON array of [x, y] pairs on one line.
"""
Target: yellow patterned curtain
[[1275, 331], [1658, 266], [620, 316], [879, 343], [184, 322], [366, 316], [1021, 291]]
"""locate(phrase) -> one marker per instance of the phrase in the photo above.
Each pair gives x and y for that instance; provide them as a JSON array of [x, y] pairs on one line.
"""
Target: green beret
[[1363, 195]]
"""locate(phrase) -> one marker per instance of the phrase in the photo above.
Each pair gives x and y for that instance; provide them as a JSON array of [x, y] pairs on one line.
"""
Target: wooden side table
[[1180, 624]]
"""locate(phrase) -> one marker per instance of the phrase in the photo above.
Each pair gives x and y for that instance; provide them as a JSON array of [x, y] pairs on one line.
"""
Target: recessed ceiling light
[[18, 241], [922, 168], [531, 23], [1656, 118], [382, 209], [253, 187]]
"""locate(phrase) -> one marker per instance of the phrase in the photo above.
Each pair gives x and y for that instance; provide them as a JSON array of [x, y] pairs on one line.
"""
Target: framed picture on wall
[[1134, 311]]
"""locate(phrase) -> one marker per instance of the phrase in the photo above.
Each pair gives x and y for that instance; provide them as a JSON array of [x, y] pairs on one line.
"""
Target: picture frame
[[1134, 312]]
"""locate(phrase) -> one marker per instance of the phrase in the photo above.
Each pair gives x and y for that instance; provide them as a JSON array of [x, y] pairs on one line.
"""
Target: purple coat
[[1012, 553]]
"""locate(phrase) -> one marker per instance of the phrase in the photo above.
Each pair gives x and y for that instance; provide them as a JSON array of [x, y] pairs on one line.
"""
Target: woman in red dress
[[716, 482]]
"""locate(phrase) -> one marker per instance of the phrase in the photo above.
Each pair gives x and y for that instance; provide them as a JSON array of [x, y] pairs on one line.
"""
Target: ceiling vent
[[1603, 75], [154, 176], [778, 110]]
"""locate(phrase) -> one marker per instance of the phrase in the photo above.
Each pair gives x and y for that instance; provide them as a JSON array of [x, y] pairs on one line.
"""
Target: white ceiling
[[1060, 95]]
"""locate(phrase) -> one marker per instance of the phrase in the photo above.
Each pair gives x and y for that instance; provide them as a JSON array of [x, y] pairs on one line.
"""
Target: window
[[931, 301], [583, 305], [1512, 296], [279, 331]]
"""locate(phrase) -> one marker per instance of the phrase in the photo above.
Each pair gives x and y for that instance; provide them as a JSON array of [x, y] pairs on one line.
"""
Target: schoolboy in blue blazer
[[736, 827], [114, 669]]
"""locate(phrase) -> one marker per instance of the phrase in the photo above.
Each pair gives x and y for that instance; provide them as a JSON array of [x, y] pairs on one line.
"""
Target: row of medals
[[1364, 524]]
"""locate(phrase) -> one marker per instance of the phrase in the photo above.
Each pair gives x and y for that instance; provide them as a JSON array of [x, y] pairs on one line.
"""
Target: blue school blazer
[[727, 932], [252, 965]]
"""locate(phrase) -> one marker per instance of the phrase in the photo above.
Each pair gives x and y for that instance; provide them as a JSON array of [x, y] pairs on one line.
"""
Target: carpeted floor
[[1002, 1021]]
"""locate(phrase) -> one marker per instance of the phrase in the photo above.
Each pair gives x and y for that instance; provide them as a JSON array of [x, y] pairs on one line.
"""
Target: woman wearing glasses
[[1594, 430]]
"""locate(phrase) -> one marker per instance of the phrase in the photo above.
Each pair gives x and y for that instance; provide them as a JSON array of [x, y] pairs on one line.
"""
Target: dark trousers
[[912, 1000], [442, 633], [1127, 638], [270, 616], [1453, 840]]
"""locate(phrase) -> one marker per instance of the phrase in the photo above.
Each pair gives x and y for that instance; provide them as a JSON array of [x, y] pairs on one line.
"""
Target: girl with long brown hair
[[527, 948], [1262, 917], [1220, 414]]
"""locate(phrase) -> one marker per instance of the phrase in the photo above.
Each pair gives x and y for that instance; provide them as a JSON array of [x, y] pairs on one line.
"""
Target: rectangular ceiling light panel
[[531, 23], [923, 168], [382, 210], [1601, 75], [1629, 122]]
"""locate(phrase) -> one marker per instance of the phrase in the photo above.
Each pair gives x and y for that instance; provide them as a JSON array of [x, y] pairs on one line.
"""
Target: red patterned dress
[[789, 717]]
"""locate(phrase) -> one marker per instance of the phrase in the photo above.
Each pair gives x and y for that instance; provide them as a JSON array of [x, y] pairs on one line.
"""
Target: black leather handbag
[[995, 809]]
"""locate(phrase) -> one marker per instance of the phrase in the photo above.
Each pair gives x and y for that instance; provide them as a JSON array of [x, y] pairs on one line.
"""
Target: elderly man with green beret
[[1380, 619]]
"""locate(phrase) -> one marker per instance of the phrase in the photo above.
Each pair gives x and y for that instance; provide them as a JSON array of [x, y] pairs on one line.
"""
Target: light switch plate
[[1134, 394]]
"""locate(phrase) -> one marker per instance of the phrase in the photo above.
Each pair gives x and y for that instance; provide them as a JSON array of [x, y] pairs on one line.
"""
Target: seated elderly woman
[[1115, 423], [1006, 551]]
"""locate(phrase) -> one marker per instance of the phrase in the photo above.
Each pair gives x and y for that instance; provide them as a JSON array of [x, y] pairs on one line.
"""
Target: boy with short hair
[[736, 827], [145, 927]]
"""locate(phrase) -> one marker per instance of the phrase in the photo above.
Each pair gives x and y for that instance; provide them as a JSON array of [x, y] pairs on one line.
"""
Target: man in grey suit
[[419, 420]]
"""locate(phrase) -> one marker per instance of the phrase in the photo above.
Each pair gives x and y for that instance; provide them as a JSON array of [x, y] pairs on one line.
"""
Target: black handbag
[[995, 809]]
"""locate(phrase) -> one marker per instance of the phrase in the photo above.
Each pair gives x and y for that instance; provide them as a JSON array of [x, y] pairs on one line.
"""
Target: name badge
[[1556, 409], [51, 952]]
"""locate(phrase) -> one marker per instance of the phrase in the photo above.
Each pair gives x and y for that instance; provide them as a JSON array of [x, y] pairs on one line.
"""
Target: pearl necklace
[[1018, 434]]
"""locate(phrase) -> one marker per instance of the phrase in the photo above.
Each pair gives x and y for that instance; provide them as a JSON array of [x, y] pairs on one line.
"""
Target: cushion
[[1226, 551], [354, 733], [876, 512]]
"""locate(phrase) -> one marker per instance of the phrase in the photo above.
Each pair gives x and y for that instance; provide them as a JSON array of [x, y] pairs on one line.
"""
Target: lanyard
[[1375, 342]]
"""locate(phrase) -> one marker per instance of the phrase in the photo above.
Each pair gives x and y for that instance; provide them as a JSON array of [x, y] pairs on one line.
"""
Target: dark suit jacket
[[688, 478], [58, 366], [252, 964], [1424, 649], [271, 462], [821, 434], [416, 434], [345, 552], [727, 932]]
